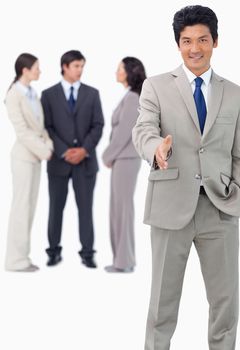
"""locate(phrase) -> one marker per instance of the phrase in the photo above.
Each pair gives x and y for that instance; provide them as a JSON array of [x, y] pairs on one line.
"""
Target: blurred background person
[[74, 120], [32, 145], [122, 158]]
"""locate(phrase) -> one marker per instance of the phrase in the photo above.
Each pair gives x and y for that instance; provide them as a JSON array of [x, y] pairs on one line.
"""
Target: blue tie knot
[[72, 88], [198, 82]]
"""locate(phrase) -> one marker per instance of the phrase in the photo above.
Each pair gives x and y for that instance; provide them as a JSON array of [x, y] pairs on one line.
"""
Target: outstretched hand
[[161, 152]]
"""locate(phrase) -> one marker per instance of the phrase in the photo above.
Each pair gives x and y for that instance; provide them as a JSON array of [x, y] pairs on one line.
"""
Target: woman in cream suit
[[121, 157], [32, 145]]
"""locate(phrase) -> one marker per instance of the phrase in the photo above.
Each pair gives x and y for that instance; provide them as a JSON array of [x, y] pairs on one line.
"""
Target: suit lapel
[[63, 101], [215, 99], [41, 121], [120, 104], [117, 111], [61, 98], [81, 97], [185, 91], [29, 112]]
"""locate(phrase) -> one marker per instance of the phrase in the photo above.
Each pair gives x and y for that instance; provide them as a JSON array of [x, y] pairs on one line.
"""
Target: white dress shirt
[[206, 84], [67, 88]]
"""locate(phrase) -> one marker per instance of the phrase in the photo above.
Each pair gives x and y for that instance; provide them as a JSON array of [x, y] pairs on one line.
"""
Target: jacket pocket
[[167, 174], [224, 120], [226, 217]]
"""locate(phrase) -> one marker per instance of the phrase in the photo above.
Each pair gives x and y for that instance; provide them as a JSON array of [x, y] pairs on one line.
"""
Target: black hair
[[191, 15], [135, 73], [69, 57], [25, 60]]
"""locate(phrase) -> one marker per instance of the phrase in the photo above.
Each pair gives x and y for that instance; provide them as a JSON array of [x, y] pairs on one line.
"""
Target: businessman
[[189, 131], [74, 119]]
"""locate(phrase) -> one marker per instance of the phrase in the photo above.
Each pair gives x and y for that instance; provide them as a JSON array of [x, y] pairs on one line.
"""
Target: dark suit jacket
[[84, 125]]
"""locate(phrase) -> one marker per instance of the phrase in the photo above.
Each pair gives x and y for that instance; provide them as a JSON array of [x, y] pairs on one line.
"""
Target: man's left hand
[[75, 155]]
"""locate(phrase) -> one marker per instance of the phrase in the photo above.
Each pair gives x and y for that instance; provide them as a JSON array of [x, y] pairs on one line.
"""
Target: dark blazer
[[84, 125]]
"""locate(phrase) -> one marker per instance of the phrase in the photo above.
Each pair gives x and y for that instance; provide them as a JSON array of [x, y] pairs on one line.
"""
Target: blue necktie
[[200, 103], [71, 100]]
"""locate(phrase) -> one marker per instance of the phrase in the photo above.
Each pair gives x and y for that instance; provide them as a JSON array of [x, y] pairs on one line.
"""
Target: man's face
[[73, 71], [196, 46]]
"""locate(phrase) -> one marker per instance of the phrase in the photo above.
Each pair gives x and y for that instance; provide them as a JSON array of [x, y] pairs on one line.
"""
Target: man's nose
[[195, 47]]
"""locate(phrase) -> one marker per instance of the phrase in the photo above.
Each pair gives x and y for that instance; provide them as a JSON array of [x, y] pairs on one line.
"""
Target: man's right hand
[[75, 155], [162, 151]]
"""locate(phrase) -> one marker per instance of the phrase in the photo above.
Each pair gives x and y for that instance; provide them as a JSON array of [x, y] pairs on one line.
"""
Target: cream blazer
[[32, 140]]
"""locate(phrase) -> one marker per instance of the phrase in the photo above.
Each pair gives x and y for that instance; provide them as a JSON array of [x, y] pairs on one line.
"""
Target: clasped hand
[[75, 155]]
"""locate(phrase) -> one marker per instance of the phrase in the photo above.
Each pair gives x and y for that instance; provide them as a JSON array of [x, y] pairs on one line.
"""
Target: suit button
[[201, 150], [198, 177]]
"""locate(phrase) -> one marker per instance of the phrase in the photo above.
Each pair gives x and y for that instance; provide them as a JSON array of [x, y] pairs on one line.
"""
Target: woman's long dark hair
[[135, 73], [25, 60]]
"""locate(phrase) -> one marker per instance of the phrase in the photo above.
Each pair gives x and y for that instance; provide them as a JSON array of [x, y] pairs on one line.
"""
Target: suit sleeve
[[146, 133], [31, 139], [48, 140], [123, 133], [93, 136], [236, 154], [60, 147]]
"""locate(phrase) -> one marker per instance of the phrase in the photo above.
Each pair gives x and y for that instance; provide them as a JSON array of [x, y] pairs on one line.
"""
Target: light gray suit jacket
[[123, 120], [32, 141], [167, 107]]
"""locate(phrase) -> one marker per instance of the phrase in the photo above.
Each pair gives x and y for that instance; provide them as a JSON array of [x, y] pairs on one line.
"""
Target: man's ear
[[64, 67], [215, 44]]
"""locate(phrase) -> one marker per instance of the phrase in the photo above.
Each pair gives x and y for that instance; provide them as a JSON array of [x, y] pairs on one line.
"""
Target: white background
[[69, 306]]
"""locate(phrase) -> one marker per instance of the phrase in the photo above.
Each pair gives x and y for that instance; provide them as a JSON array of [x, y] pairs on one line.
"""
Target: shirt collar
[[66, 85], [206, 76], [25, 89]]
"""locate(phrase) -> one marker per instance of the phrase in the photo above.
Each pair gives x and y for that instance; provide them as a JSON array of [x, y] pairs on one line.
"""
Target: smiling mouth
[[195, 57]]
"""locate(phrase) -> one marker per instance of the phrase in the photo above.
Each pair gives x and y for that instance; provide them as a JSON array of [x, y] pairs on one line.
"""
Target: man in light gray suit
[[189, 131]]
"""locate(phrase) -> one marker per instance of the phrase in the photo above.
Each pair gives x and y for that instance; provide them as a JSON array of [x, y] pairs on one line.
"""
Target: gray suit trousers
[[215, 236], [123, 183]]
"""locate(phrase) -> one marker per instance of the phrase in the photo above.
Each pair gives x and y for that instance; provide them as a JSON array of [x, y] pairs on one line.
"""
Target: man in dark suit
[[74, 120]]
